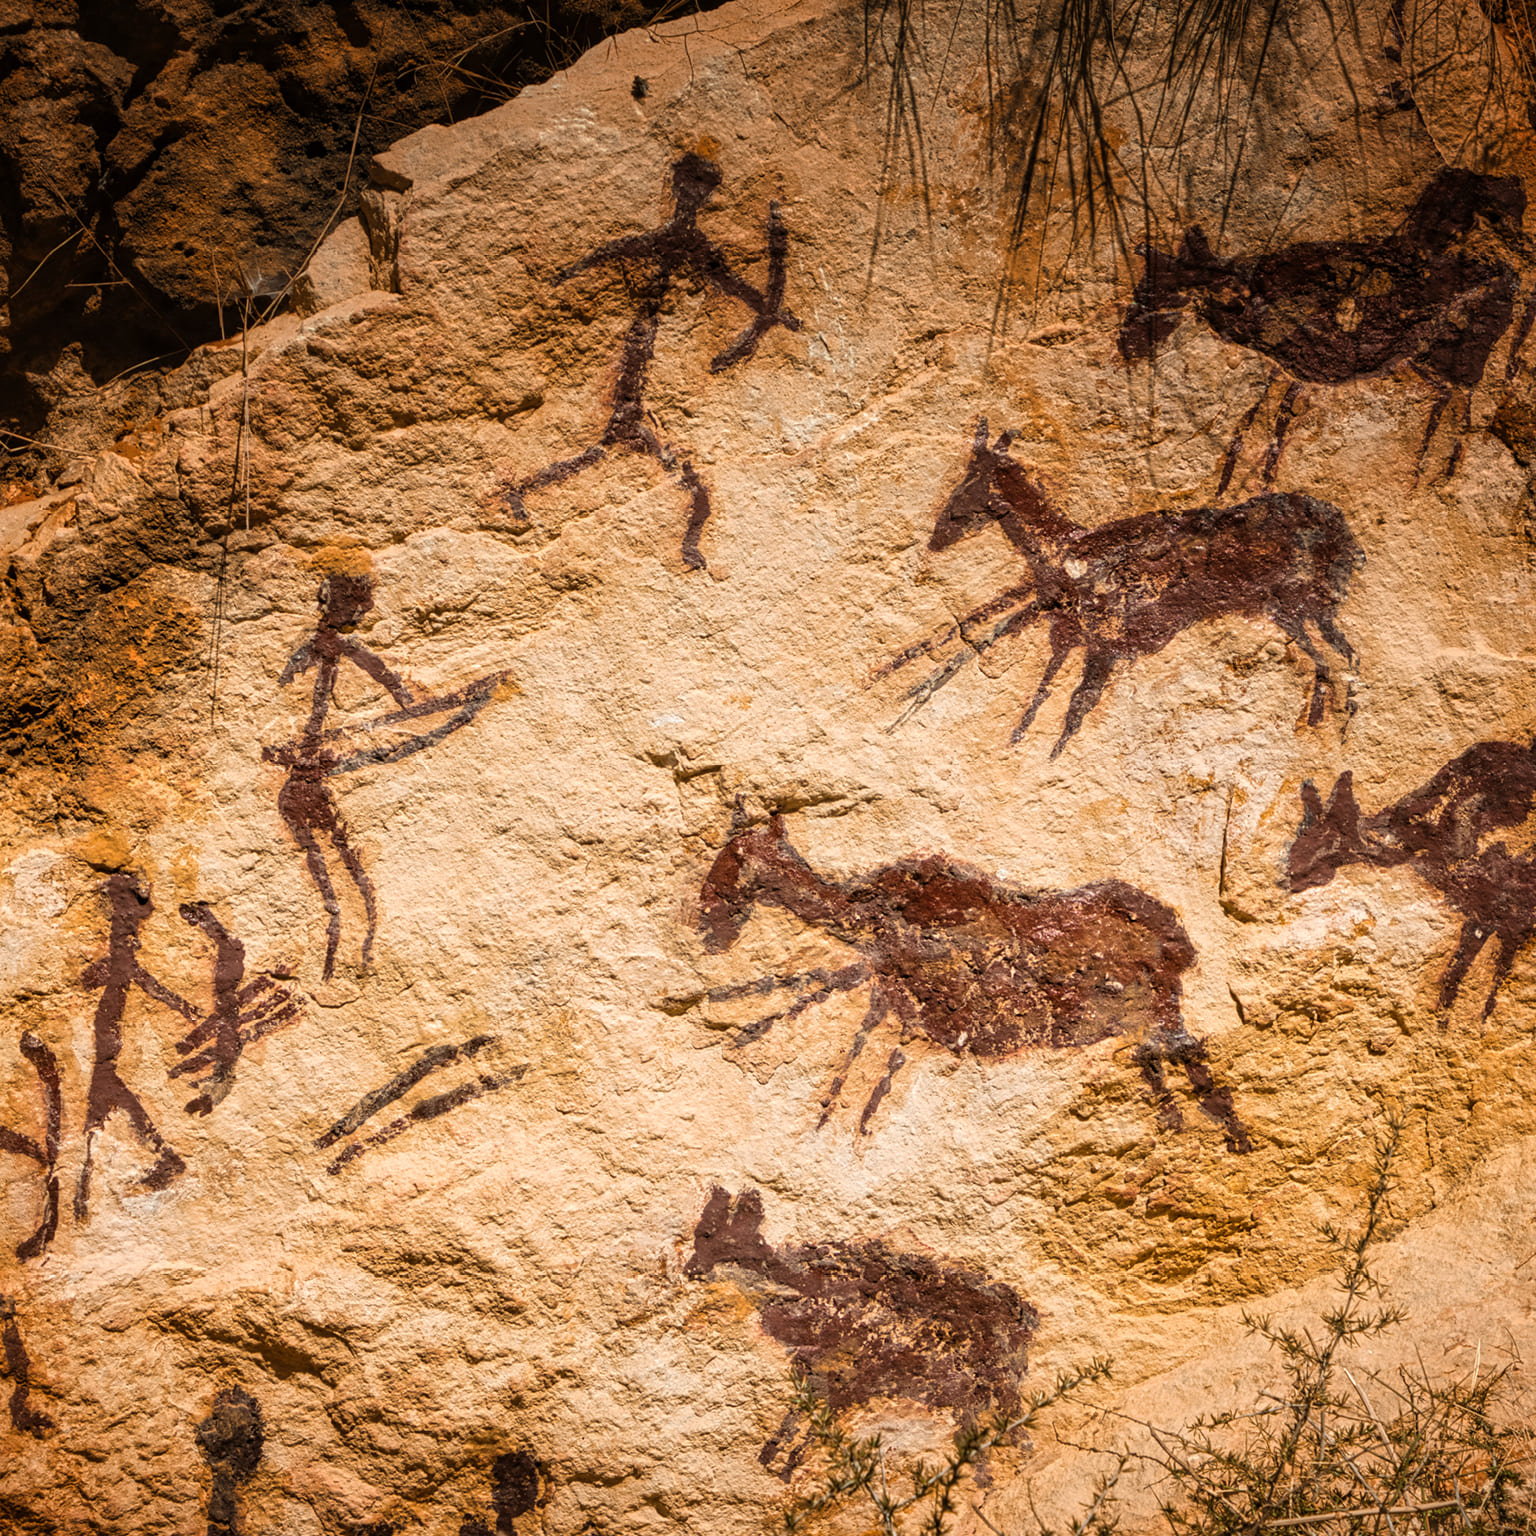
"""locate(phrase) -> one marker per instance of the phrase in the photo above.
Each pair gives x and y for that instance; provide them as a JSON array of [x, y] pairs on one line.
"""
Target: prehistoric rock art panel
[[117, 973], [973, 966], [676, 251], [243, 1012], [25, 1419], [305, 800], [1444, 832], [864, 1321], [516, 1482], [1326, 312], [1127, 588], [230, 1439], [430, 1061], [45, 1153]]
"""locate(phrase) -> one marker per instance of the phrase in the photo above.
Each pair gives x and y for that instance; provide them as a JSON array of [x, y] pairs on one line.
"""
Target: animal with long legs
[[1127, 588], [1327, 312], [305, 801], [976, 967], [1452, 832], [676, 251]]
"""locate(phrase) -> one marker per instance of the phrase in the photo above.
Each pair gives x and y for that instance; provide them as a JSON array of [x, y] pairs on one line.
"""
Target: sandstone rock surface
[[535, 753]]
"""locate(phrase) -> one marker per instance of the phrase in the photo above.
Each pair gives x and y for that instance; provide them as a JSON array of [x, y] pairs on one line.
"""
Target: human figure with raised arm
[[676, 250], [305, 800], [117, 972]]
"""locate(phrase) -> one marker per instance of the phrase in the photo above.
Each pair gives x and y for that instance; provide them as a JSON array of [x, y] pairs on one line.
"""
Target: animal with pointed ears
[[1444, 831], [1127, 588], [972, 966]]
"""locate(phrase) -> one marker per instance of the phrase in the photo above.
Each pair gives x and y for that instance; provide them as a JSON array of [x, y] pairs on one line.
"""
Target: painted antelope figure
[[863, 1320], [1443, 831], [1127, 588], [974, 967], [1326, 312]]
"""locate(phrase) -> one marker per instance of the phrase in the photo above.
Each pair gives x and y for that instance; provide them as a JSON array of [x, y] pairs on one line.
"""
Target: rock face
[[637, 689]]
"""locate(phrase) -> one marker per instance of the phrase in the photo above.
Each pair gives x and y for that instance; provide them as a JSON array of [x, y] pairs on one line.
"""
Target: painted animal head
[[975, 502], [753, 866], [1456, 199], [1167, 284], [1329, 836]]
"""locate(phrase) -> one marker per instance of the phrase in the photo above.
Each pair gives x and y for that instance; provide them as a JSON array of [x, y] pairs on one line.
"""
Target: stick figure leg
[[1058, 659], [109, 1092], [1096, 670], [698, 515], [1468, 948], [360, 879], [304, 836], [1510, 945]]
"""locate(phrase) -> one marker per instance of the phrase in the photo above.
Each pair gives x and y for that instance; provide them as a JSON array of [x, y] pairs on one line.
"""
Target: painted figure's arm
[[627, 248], [299, 663], [365, 661], [163, 994], [768, 306]]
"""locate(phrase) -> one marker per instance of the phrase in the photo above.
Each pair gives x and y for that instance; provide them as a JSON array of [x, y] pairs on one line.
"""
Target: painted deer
[[974, 967], [1127, 588], [1442, 831]]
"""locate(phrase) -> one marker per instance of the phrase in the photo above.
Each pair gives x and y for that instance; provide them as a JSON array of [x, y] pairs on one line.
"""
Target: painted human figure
[[676, 250], [44, 1153], [305, 801], [242, 1013], [230, 1439], [117, 972], [516, 1479]]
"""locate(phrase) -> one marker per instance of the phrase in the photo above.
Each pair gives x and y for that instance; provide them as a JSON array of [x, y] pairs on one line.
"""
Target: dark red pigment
[[1330, 311], [242, 1013], [117, 973], [230, 1439], [977, 967], [516, 1482], [434, 1059], [1444, 831], [1125, 589], [46, 1155], [863, 1320], [677, 250], [25, 1419], [305, 801]]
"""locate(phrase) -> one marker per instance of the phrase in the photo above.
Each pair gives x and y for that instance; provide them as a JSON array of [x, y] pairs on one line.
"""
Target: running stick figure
[[678, 248], [242, 1013], [116, 973], [25, 1419]]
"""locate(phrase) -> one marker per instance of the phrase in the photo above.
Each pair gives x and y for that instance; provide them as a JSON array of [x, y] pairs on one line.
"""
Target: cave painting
[[305, 800], [1326, 312], [677, 251], [243, 1012], [516, 1480], [25, 1419], [863, 1320], [1125, 589], [974, 967], [1445, 832], [117, 973], [230, 1439], [431, 1060], [44, 1153]]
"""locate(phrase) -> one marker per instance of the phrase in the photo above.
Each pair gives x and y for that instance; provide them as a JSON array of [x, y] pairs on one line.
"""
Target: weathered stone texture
[[445, 1165]]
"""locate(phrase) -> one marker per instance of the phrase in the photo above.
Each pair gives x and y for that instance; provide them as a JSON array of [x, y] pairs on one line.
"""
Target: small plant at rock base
[[921, 1500], [1344, 1452]]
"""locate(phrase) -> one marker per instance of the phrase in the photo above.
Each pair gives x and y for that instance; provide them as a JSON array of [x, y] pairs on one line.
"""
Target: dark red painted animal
[[1444, 832], [863, 1320], [975, 967], [1330, 311], [1127, 588]]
